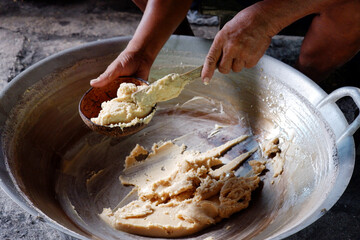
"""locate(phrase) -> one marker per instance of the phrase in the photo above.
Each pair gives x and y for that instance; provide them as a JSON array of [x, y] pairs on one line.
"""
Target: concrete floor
[[33, 30]]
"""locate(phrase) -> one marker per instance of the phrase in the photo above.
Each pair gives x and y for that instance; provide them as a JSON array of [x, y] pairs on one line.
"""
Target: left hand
[[128, 63]]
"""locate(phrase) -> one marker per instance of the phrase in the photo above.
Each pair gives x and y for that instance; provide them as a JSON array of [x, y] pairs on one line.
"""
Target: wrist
[[259, 19], [272, 17]]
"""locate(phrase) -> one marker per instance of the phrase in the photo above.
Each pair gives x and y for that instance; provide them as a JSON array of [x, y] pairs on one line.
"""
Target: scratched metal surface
[[47, 130]]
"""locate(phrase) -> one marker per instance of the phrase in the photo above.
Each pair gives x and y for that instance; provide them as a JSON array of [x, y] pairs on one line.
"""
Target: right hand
[[240, 43], [128, 63]]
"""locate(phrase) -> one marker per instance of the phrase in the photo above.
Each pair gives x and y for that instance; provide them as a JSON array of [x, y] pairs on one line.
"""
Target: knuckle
[[250, 63], [109, 74], [211, 60], [219, 38], [237, 65], [104, 75], [236, 68], [223, 69], [233, 45]]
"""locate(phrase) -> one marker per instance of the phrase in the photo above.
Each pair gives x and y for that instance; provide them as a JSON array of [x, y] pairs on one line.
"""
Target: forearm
[[160, 19], [281, 13]]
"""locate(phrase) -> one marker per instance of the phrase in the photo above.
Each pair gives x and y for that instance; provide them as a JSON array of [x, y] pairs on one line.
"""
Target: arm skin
[[159, 21], [240, 43], [244, 39]]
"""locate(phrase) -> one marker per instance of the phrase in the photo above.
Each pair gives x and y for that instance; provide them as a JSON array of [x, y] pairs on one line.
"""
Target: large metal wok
[[53, 166]]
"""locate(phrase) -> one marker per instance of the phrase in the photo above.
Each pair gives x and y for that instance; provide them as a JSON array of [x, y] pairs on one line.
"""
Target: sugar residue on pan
[[178, 192], [182, 191]]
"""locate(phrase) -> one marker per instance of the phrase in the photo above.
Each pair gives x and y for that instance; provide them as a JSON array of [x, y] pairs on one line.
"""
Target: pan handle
[[352, 92]]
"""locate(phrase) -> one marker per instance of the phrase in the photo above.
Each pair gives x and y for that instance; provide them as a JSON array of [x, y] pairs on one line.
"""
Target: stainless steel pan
[[53, 166]]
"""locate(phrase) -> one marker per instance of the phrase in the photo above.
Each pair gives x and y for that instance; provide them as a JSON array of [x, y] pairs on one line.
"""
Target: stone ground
[[33, 30]]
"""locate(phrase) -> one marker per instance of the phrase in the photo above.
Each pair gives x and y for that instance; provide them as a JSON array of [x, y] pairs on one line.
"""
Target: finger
[[251, 62], [210, 63], [237, 65], [107, 76], [226, 61], [253, 58], [110, 74]]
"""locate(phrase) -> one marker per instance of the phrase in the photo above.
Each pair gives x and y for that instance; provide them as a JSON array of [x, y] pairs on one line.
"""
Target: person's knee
[[333, 38], [343, 17]]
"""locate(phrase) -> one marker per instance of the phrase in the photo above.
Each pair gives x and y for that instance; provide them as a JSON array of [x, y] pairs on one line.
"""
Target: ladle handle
[[352, 92]]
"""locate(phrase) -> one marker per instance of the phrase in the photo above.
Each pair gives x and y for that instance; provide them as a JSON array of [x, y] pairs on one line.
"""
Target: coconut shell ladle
[[90, 103]]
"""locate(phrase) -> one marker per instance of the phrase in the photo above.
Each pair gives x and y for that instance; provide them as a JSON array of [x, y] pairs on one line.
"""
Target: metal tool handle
[[352, 92]]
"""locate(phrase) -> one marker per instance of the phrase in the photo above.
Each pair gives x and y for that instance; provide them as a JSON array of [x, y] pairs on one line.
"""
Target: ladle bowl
[[90, 106]]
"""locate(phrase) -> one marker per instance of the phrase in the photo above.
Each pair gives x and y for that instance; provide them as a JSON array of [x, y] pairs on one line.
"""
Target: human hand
[[240, 43], [128, 63]]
